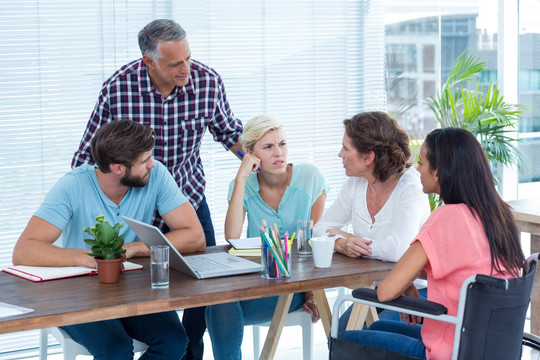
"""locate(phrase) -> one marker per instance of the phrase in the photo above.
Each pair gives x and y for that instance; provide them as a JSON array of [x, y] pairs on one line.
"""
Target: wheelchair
[[489, 322]]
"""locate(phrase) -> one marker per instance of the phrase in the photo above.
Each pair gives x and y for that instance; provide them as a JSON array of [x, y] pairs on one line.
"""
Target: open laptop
[[198, 266]]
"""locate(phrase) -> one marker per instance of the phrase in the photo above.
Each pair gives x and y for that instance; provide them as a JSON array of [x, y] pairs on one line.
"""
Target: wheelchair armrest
[[405, 302]]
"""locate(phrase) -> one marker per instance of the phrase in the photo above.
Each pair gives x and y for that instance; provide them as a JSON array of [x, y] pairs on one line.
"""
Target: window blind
[[55, 56], [311, 64]]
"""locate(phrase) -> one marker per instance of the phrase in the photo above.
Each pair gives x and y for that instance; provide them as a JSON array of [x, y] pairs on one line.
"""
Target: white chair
[[295, 318], [71, 348]]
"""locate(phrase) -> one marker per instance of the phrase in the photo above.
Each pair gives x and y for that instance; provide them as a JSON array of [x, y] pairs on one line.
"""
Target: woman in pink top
[[473, 233]]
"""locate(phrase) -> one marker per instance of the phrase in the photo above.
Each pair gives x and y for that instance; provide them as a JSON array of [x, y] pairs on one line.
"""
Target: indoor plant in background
[[464, 102], [106, 247]]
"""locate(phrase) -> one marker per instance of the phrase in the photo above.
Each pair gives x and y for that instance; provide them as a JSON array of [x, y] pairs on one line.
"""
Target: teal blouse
[[307, 184]]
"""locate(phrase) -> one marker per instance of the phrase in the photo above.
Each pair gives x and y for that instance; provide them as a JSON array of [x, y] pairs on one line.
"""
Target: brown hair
[[378, 132], [121, 142]]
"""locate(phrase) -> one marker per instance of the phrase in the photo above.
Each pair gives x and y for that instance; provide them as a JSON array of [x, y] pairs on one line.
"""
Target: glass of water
[[304, 229], [159, 266]]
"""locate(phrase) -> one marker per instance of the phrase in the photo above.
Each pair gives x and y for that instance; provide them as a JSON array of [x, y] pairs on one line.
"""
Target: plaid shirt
[[180, 120]]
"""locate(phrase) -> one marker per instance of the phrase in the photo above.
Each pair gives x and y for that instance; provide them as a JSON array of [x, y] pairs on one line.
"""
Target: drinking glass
[[304, 229], [159, 266]]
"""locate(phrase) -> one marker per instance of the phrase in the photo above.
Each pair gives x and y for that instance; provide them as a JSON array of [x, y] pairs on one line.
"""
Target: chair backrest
[[494, 317]]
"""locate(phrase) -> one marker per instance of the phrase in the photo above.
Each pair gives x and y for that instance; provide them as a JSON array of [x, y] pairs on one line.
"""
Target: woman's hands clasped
[[350, 245]]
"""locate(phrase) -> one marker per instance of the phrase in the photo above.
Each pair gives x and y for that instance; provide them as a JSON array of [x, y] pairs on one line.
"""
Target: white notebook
[[246, 243], [44, 273]]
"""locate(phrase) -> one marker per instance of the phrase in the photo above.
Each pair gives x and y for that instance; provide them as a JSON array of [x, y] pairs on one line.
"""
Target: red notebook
[[44, 273]]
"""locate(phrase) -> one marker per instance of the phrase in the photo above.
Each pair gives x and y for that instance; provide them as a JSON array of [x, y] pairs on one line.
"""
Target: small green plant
[[106, 243]]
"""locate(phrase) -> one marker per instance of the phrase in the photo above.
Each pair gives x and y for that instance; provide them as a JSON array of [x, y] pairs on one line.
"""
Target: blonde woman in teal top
[[266, 187], [307, 186]]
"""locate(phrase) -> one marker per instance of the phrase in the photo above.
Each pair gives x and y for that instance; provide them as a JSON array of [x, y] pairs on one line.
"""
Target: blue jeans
[[383, 314], [193, 319], [112, 339], [226, 322], [394, 336]]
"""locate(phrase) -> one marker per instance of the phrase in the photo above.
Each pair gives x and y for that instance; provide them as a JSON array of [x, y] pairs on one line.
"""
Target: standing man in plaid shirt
[[180, 99]]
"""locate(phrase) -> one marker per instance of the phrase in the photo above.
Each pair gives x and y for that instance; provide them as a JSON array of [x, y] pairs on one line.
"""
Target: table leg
[[361, 314], [535, 295], [276, 326], [324, 310]]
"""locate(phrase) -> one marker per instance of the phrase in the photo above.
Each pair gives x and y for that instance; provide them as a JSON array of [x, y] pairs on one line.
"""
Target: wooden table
[[527, 215], [84, 299]]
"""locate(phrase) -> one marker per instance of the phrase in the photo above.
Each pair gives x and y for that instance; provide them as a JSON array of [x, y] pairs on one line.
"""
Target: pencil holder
[[276, 263]]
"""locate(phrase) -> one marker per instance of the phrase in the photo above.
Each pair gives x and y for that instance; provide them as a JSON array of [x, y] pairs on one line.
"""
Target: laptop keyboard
[[202, 264]]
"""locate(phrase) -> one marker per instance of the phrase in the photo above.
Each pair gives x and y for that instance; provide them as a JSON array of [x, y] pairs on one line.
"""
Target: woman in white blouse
[[383, 197]]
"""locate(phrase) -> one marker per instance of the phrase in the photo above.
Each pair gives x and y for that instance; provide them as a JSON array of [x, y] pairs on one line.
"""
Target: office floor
[[289, 348], [290, 344]]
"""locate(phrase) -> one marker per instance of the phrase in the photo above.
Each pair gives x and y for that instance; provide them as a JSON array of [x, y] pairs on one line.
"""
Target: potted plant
[[106, 247], [464, 102]]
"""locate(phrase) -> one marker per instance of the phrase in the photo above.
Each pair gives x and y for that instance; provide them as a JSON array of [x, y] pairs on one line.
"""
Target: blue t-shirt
[[307, 184], [76, 199]]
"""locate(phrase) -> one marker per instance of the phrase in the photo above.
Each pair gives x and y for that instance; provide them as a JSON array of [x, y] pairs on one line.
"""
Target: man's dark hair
[[121, 142]]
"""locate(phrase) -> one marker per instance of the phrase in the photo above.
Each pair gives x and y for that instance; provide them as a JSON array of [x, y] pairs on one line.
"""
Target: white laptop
[[198, 266]]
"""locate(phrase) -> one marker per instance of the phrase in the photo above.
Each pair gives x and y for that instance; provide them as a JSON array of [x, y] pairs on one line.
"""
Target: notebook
[[246, 243], [198, 266], [44, 273]]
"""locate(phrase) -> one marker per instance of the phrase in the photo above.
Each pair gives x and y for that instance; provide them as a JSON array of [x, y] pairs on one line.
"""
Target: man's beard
[[134, 181]]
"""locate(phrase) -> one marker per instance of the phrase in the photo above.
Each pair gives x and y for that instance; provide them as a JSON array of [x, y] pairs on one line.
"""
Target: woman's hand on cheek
[[250, 163]]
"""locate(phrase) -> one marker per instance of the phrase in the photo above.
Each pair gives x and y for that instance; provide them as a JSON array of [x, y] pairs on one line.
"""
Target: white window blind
[[309, 63]]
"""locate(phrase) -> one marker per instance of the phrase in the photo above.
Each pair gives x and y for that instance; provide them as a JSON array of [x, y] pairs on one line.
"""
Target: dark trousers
[[111, 339], [193, 319]]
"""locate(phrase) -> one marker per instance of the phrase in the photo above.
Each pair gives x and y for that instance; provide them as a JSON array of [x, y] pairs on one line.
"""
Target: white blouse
[[395, 224]]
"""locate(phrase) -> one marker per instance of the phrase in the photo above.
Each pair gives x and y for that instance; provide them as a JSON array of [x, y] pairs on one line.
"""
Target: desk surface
[[84, 299], [527, 210]]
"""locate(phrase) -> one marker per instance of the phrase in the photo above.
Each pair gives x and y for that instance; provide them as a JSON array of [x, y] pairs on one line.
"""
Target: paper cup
[[323, 249]]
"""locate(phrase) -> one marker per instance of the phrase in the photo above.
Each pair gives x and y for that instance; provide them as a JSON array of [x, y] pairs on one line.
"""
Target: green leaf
[[108, 254], [91, 242]]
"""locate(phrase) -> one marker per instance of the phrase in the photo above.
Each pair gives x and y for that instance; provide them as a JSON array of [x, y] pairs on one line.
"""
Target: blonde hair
[[256, 128]]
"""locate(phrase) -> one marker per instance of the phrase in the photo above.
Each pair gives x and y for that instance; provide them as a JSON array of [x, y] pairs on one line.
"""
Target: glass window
[[529, 95], [428, 58], [412, 60]]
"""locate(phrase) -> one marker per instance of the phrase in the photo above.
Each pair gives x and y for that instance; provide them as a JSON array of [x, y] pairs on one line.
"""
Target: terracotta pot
[[109, 270]]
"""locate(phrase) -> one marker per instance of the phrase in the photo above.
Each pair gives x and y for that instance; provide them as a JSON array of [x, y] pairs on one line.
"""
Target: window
[[309, 63], [529, 94]]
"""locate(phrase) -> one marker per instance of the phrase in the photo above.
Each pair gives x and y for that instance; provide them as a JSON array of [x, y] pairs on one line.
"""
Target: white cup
[[323, 249]]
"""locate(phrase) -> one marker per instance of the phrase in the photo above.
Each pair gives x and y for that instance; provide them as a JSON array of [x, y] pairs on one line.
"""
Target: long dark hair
[[465, 177]]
